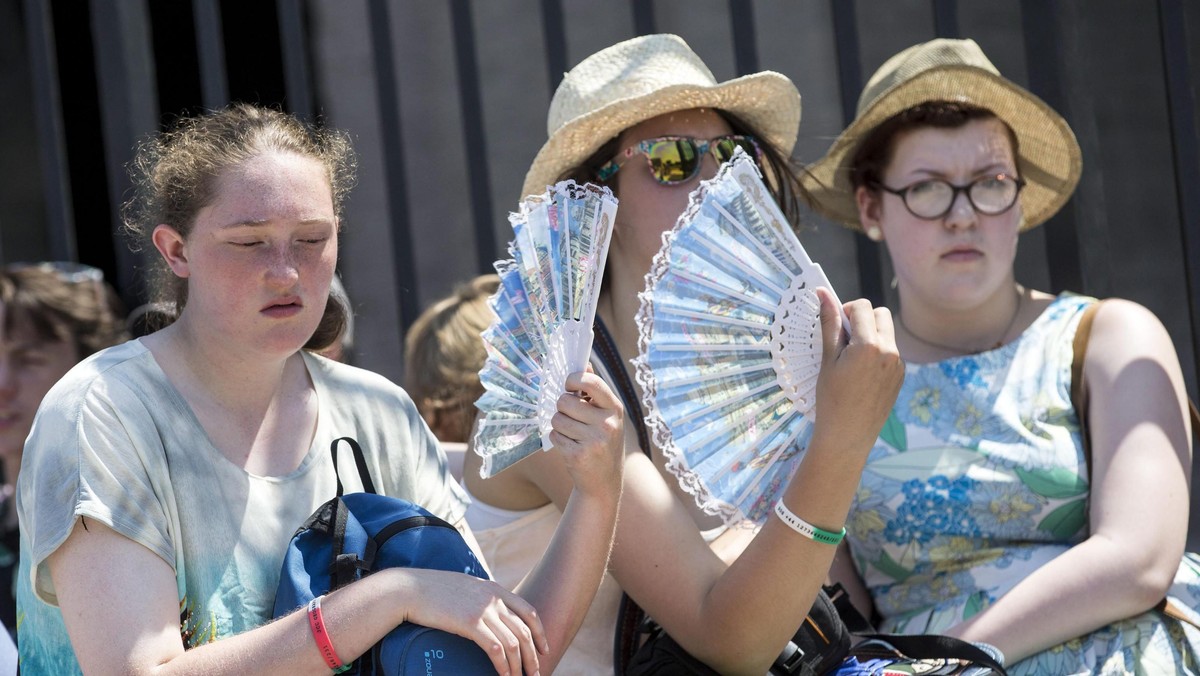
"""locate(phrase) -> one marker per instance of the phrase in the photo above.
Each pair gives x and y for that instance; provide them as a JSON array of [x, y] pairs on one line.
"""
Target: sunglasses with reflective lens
[[675, 159]]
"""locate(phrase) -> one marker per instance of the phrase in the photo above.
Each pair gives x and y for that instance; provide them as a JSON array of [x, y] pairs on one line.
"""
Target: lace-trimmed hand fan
[[730, 345], [544, 309]]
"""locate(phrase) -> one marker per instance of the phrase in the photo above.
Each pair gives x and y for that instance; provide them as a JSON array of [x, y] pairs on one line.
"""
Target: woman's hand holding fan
[[545, 308], [731, 345]]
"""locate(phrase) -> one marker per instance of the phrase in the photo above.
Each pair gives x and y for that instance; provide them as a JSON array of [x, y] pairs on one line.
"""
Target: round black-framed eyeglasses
[[932, 199]]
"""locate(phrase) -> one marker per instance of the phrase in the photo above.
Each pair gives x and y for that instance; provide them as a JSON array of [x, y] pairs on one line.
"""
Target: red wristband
[[317, 622]]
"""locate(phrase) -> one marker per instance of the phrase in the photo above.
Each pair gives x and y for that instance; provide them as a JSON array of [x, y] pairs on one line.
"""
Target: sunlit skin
[[29, 367], [954, 273], [259, 259]]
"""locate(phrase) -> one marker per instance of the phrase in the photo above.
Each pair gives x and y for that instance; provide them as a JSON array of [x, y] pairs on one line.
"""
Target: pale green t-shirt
[[115, 442]]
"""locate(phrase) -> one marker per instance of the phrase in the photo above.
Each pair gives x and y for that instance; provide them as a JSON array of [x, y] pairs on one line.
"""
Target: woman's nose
[[281, 269], [962, 213]]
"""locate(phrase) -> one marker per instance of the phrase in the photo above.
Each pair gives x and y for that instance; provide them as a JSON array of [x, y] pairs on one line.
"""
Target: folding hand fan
[[544, 312], [730, 345]]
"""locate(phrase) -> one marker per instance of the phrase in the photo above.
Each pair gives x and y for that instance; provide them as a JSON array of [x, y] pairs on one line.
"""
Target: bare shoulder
[[1126, 334]]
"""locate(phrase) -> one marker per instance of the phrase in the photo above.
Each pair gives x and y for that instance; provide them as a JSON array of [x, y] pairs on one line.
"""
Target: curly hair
[[175, 175]]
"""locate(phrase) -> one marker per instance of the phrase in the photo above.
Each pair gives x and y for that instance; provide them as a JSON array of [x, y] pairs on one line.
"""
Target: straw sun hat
[[954, 70], [638, 79]]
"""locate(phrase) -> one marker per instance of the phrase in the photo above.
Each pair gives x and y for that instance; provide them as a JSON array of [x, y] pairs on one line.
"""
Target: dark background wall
[[447, 102]]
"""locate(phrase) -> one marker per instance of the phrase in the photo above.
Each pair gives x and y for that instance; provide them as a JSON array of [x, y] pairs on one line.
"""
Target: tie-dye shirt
[[115, 442]]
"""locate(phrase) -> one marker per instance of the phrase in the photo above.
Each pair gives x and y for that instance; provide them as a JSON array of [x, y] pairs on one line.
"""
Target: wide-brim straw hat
[[1049, 158], [632, 81]]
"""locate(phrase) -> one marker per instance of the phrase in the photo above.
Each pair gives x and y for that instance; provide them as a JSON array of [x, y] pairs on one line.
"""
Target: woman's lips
[[281, 309], [962, 255]]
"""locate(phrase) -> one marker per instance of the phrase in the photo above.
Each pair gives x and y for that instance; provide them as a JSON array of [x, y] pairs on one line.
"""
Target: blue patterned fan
[[544, 312], [730, 345]]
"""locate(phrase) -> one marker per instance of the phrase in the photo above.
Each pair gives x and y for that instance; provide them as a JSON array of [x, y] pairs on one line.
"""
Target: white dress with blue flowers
[[977, 480]]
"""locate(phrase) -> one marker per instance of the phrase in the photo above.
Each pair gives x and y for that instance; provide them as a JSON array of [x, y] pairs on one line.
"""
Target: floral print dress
[[978, 479]]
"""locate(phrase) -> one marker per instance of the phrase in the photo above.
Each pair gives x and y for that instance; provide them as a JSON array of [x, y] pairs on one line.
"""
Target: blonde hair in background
[[443, 354]]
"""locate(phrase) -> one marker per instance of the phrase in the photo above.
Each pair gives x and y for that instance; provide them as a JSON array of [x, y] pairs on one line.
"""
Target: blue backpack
[[355, 535]]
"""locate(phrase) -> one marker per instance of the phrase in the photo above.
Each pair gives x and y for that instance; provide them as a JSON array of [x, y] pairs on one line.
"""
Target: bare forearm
[[564, 583], [761, 600], [354, 618], [1060, 601]]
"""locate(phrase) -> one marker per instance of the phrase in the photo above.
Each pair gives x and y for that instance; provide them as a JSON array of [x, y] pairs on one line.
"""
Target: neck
[[619, 304], [930, 330], [209, 365]]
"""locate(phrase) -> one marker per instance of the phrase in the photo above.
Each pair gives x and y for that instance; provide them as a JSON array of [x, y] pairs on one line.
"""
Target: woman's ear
[[869, 207], [171, 246]]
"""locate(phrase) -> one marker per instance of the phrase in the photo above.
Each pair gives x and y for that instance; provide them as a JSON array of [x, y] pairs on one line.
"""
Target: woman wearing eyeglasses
[[982, 514], [52, 315], [165, 477], [647, 118]]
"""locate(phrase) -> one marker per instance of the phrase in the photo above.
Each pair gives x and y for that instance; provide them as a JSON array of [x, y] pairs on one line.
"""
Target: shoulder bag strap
[[630, 616]]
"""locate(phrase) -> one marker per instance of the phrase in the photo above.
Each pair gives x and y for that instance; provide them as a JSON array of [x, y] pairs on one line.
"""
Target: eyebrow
[[995, 167], [265, 222]]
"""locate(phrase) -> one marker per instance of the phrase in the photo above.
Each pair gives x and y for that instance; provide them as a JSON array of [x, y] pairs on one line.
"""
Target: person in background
[[987, 511], [443, 354], [647, 118], [164, 478], [52, 316]]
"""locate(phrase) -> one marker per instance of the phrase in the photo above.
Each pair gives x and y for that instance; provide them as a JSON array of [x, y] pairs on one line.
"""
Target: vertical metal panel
[[945, 18], [128, 106], [1040, 23], [476, 144], [52, 151], [214, 86], [643, 17], [554, 33], [845, 28], [1182, 109], [393, 160], [745, 41], [297, 76]]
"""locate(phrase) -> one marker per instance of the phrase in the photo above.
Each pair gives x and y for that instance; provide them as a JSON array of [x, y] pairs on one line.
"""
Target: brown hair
[[781, 173], [175, 176], [63, 307], [443, 354], [874, 153]]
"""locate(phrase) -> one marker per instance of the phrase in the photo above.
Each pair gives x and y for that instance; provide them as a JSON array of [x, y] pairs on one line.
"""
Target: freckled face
[[260, 258], [649, 208], [964, 257], [29, 367]]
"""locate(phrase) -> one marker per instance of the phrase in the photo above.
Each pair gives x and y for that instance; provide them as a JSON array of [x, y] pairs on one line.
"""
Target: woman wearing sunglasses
[[983, 512], [647, 118], [165, 477]]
